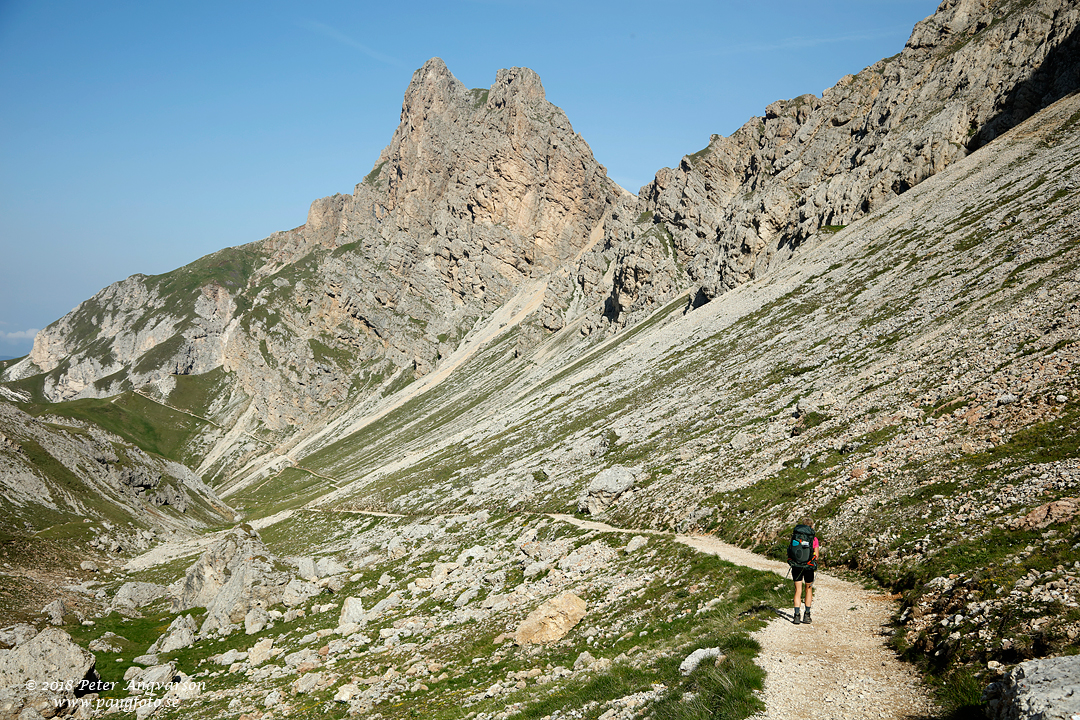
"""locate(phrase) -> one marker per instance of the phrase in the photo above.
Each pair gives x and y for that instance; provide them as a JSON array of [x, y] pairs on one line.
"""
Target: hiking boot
[[806, 617], [796, 618]]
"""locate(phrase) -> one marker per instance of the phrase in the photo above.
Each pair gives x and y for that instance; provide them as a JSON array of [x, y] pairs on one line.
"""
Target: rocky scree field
[[400, 617]]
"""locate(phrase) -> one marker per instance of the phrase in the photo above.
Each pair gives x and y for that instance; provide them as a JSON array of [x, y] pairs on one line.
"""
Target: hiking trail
[[836, 668]]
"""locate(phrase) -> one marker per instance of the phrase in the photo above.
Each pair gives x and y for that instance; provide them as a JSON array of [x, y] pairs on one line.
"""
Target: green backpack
[[800, 552]]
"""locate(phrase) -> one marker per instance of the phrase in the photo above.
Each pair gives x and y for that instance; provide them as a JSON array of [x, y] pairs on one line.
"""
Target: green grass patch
[[146, 424], [373, 176]]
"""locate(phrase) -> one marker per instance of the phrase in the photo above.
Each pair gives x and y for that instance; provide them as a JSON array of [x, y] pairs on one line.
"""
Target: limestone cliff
[[969, 72]]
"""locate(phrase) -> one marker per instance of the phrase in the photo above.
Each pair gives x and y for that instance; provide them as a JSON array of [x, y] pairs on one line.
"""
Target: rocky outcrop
[[744, 203], [44, 675], [1036, 690], [1048, 514], [74, 467], [232, 577]]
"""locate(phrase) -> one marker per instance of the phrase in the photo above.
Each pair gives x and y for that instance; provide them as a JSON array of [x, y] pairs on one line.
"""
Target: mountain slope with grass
[[484, 192]]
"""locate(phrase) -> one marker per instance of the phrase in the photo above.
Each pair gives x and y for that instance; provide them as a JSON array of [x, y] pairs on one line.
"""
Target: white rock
[[695, 658], [352, 611]]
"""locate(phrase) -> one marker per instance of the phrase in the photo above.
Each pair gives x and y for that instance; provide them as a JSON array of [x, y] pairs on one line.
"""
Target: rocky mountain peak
[[953, 17], [501, 162], [520, 85], [433, 92]]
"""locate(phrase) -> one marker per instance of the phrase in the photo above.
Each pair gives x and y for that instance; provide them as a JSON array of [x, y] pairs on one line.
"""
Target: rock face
[[746, 202], [41, 670], [1037, 690], [551, 621], [231, 578]]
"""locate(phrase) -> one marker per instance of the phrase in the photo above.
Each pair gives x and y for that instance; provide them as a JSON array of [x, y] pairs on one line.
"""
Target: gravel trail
[[836, 668]]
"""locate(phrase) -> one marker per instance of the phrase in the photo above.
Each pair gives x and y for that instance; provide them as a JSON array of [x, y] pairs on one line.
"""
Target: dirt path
[[836, 668]]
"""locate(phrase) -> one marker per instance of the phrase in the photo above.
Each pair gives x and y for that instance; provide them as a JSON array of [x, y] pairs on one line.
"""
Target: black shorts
[[802, 574]]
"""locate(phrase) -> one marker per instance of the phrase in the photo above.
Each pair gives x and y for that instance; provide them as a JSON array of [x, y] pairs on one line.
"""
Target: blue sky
[[139, 136]]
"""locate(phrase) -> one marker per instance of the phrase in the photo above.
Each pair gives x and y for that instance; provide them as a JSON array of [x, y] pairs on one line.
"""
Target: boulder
[[255, 620], [260, 652], [133, 595], [297, 592], [346, 692], [307, 569], [233, 576], [695, 658], [352, 611], [327, 566], [158, 678], [551, 621], [387, 603], [636, 543], [15, 635], [536, 569], [55, 610], [107, 643], [183, 688], [53, 661], [740, 441], [605, 489], [584, 660], [1044, 689], [180, 634]]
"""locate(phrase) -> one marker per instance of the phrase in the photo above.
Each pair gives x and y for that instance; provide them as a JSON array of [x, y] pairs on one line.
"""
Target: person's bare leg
[[809, 594], [798, 593]]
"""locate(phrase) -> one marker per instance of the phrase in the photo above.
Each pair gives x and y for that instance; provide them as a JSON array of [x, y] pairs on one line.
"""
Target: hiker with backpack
[[803, 558]]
